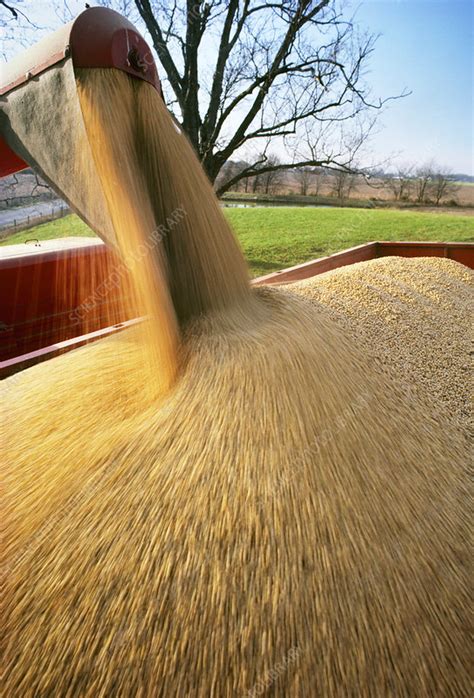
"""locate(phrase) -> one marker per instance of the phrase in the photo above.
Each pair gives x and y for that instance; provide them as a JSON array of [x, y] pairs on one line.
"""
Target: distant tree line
[[428, 184]]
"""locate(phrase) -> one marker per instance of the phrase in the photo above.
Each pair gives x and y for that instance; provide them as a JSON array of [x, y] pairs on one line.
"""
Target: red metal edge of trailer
[[361, 253], [462, 252], [19, 363], [39, 269], [42, 304]]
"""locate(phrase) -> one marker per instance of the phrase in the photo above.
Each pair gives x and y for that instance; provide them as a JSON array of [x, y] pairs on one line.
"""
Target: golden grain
[[413, 317], [276, 520]]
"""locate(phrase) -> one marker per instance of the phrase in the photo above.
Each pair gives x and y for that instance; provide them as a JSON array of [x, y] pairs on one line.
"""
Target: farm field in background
[[377, 191], [279, 237], [464, 195]]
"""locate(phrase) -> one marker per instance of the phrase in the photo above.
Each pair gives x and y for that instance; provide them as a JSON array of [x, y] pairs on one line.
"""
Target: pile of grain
[[412, 316], [271, 518], [280, 502]]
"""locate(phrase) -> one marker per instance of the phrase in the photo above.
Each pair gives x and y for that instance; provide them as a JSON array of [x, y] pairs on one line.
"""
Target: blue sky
[[426, 46]]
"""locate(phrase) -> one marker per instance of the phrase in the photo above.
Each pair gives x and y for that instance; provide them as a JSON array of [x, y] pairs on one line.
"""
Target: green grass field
[[274, 238]]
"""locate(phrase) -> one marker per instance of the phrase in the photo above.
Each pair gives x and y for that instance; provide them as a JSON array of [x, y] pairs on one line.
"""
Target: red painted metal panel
[[22, 361], [49, 297], [9, 161], [102, 38], [462, 255], [461, 252]]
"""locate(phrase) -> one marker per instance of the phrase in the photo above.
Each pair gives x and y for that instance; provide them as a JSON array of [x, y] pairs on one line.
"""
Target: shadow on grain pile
[[274, 519]]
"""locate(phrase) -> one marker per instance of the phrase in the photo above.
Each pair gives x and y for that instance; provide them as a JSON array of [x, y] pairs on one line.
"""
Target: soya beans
[[412, 316], [282, 501]]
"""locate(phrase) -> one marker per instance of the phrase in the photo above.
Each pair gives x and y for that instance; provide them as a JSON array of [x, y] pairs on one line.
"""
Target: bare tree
[[12, 11], [228, 171], [255, 183], [433, 184], [443, 186], [304, 177], [278, 65], [271, 179], [424, 175], [401, 183], [319, 176], [18, 26], [310, 180], [344, 183]]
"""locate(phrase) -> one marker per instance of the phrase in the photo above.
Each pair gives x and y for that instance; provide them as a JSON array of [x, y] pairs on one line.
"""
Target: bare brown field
[[378, 189]]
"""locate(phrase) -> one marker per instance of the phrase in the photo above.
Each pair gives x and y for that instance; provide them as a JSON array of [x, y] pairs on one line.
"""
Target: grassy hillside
[[274, 238]]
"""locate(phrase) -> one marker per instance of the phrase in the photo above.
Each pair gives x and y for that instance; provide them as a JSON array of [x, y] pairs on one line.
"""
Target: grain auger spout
[[40, 113]]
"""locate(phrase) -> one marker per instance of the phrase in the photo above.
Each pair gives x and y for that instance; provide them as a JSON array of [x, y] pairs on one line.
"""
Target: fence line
[[32, 220]]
